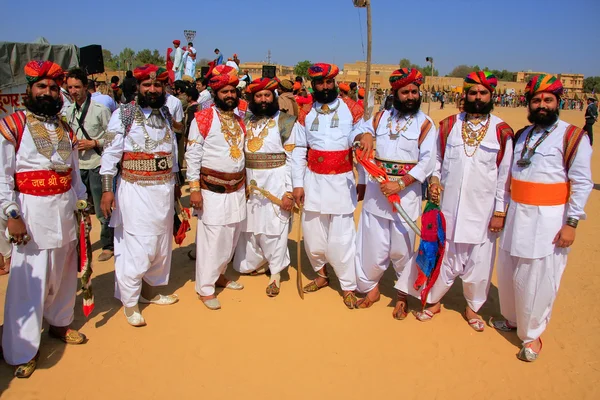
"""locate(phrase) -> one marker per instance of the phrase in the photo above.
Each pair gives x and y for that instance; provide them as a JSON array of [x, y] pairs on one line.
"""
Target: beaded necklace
[[527, 151], [44, 142], [473, 137], [149, 144], [407, 123]]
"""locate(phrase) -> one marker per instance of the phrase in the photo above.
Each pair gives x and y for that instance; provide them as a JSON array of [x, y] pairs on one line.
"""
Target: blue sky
[[551, 35]]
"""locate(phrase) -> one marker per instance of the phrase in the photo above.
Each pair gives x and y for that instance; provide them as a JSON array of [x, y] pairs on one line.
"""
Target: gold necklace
[[233, 134], [473, 137], [43, 141], [255, 140]]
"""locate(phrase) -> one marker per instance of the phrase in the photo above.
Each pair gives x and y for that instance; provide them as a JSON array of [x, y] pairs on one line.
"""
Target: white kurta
[[383, 235], [141, 211], [474, 187], [529, 265], [328, 197], [43, 276], [190, 66], [266, 228], [178, 64], [220, 220]]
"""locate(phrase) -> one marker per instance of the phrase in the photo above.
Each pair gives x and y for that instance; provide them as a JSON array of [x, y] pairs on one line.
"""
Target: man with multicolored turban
[[322, 170], [270, 136], [216, 173], [551, 181], [472, 169], [40, 186], [141, 139], [406, 140]]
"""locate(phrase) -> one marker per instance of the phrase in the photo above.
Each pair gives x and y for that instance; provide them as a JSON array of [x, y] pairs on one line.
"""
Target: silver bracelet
[[107, 183], [572, 222]]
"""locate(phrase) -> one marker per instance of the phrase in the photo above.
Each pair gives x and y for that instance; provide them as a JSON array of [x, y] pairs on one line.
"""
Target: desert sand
[[258, 347]]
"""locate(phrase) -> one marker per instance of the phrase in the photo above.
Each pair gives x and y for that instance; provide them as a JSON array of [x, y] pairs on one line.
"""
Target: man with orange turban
[[141, 140], [472, 169], [548, 196], [270, 136], [406, 140], [40, 187], [215, 170], [354, 107], [324, 182]]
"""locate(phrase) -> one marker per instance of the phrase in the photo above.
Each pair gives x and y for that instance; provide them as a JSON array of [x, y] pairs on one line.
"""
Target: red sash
[[330, 162], [43, 183]]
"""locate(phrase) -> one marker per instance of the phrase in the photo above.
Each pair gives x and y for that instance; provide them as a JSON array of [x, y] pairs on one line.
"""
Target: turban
[[221, 76], [286, 84], [263, 84], [344, 87], [544, 83], [361, 92], [323, 71], [150, 71], [484, 78], [37, 70], [177, 42], [405, 76], [297, 86]]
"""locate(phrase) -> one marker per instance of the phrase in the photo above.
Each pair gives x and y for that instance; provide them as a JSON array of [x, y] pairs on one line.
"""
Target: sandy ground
[[258, 347]]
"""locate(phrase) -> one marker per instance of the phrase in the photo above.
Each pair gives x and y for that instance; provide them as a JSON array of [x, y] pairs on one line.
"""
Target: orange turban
[[37, 70], [150, 71], [344, 87], [221, 76], [361, 92], [297, 86], [323, 71], [263, 84]]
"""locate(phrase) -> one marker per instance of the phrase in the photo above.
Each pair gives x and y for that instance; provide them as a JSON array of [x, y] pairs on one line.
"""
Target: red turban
[[544, 83], [484, 78], [177, 42], [37, 70], [344, 87], [405, 76], [323, 71], [221, 76], [263, 84], [150, 71], [297, 86]]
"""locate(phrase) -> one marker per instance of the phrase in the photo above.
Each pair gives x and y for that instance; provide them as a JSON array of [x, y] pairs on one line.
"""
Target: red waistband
[[133, 155], [330, 162], [43, 182]]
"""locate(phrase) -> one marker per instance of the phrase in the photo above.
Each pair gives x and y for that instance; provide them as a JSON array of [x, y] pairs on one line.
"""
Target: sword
[[85, 257], [252, 187]]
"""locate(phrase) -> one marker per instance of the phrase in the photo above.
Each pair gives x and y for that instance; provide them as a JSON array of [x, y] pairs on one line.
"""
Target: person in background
[[591, 116], [129, 87], [100, 98]]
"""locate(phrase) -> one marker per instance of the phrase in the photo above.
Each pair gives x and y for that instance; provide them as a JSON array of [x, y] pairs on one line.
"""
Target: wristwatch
[[14, 214]]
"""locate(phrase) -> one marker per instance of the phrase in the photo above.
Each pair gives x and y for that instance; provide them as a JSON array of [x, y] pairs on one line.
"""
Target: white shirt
[[529, 229], [50, 220], [213, 152], [233, 64], [474, 187], [204, 96], [404, 149], [105, 100], [178, 62], [326, 194], [175, 107], [263, 216], [144, 210]]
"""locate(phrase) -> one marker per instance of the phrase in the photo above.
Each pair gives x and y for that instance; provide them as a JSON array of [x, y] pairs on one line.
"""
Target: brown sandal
[[272, 289], [25, 370], [312, 285], [71, 336], [366, 302], [350, 300], [401, 309]]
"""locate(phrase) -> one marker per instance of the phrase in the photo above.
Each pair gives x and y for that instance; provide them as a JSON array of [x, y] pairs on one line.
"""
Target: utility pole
[[269, 57], [366, 4], [430, 61]]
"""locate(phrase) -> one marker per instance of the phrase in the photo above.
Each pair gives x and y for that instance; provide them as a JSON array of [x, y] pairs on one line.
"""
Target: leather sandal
[[402, 312], [312, 285], [25, 370], [272, 290], [366, 302], [71, 336], [350, 300]]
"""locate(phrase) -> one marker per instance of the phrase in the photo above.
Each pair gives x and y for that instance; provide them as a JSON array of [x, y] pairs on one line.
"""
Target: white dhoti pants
[[380, 241], [140, 257], [215, 245], [527, 289], [330, 238], [255, 249], [42, 284], [474, 264]]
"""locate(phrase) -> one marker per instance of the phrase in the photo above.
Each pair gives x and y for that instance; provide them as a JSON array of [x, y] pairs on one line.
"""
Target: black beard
[[408, 107], [543, 120], [226, 105], [152, 100], [325, 96], [478, 107], [264, 109], [43, 105]]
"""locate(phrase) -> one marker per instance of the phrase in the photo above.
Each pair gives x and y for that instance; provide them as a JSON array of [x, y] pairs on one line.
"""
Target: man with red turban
[[270, 136], [141, 139], [215, 170], [406, 149], [472, 169], [41, 185], [178, 62], [324, 182], [548, 196]]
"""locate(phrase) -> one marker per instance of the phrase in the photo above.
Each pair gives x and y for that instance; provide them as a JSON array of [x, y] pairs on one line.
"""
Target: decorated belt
[[395, 169], [221, 182], [539, 194], [43, 182], [265, 160], [147, 169], [330, 162]]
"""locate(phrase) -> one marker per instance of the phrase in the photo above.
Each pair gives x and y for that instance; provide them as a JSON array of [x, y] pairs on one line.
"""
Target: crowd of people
[[254, 155]]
